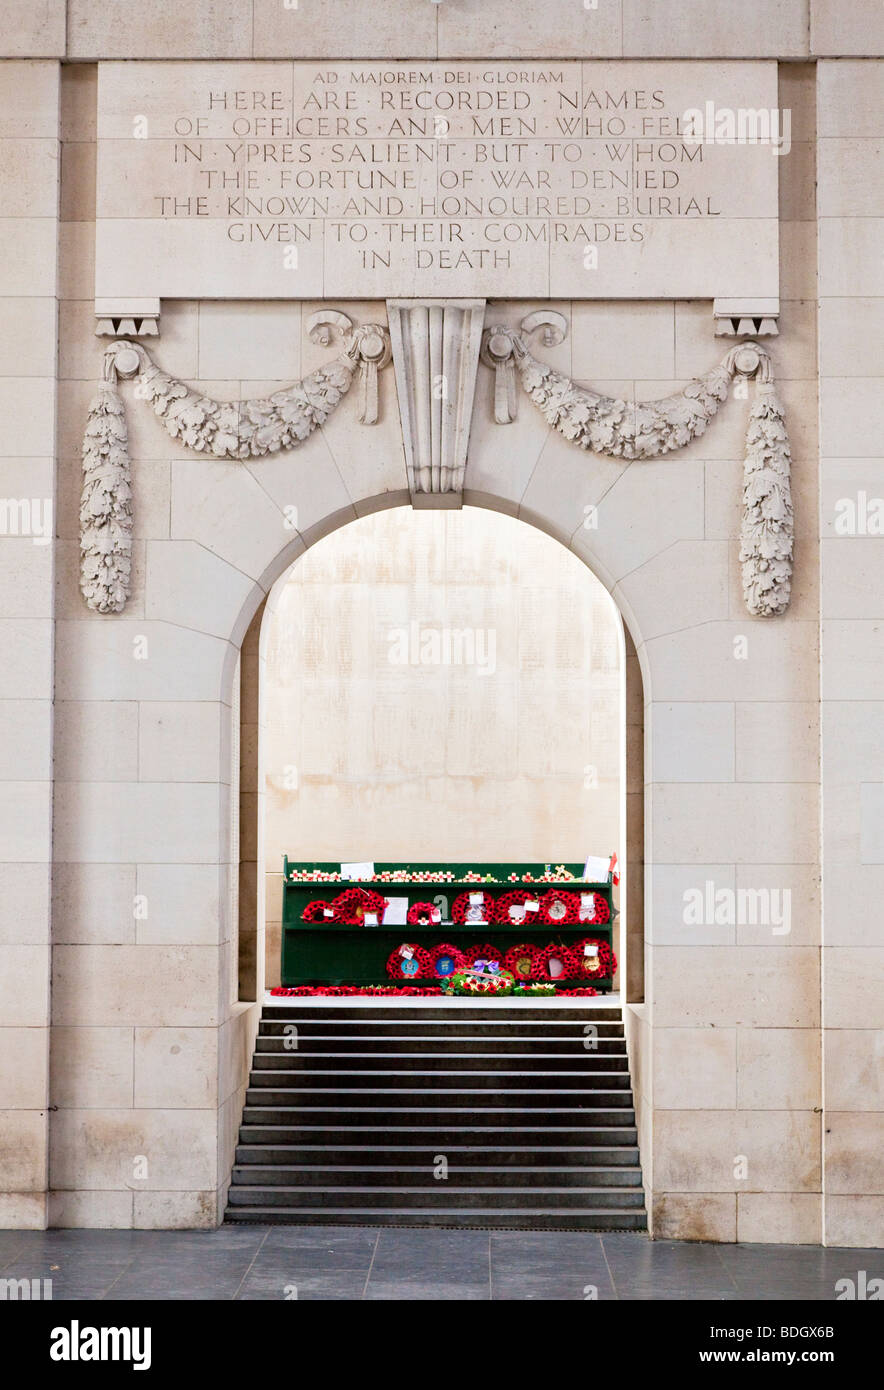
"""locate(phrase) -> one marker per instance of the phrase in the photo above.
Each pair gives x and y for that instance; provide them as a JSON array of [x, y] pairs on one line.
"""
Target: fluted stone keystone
[[435, 345]]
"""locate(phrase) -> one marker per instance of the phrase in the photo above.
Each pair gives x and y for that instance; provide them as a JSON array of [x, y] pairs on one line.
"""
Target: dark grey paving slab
[[643, 1269], [424, 1264], [321, 1248], [401, 1290], [549, 1264], [263, 1285]]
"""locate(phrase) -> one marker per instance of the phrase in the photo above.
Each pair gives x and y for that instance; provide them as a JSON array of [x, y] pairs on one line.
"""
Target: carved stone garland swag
[[616, 428], [225, 429], [647, 429]]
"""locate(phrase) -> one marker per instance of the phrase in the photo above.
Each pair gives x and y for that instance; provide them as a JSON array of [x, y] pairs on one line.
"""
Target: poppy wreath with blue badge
[[413, 967], [445, 959]]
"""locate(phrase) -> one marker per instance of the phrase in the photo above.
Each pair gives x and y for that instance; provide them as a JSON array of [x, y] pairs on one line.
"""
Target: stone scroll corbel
[[632, 430], [224, 429]]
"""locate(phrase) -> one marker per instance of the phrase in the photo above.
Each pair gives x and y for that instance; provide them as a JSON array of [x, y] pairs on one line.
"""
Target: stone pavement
[[314, 1262]]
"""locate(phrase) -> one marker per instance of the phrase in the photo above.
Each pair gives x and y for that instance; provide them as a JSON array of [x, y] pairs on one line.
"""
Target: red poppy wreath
[[595, 965], [555, 963], [510, 908], [405, 967], [521, 960], [318, 911], [598, 912], [444, 960], [423, 915], [350, 907], [468, 913], [558, 908], [486, 952]]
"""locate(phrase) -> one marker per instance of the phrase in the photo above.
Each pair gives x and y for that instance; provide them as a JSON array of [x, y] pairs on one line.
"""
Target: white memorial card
[[359, 870], [396, 912]]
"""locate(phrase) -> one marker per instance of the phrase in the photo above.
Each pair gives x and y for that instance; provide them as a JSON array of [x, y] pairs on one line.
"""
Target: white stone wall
[[851, 344], [513, 756], [29, 178]]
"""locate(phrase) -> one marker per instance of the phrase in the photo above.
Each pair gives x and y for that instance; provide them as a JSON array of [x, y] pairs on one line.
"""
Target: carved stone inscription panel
[[545, 179]]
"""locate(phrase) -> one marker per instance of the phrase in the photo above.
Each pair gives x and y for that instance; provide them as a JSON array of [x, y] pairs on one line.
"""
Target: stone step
[[566, 1116], [430, 1199], [586, 1130], [451, 1078], [420, 1155], [304, 1097], [410, 1027], [283, 1060], [525, 1219], [468, 1045], [389, 1176], [454, 1011]]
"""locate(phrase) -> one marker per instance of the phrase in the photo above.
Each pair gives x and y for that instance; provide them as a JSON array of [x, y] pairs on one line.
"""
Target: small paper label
[[370, 919], [591, 949], [360, 869], [435, 914], [406, 952], [328, 912], [587, 900], [532, 907], [477, 899]]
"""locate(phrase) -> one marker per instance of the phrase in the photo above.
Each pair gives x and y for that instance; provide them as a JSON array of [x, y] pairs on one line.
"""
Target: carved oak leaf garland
[[225, 429], [646, 429]]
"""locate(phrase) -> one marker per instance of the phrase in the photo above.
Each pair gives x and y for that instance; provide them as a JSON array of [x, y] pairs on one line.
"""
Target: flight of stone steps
[[495, 1116]]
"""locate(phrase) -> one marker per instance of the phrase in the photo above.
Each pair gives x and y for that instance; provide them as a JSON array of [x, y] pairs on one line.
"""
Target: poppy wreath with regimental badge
[[510, 908], [351, 906], [423, 915], [600, 910], [444, 960], [318, 911], [413, 967], [594, 966], [521, 960], [558, 908], [473, 914], [555, 963]]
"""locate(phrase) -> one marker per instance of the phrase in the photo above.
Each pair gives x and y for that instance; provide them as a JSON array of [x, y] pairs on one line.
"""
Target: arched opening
[[354, 742]]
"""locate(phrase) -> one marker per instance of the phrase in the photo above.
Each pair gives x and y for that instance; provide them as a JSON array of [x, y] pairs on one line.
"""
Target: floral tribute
[[423, 915], [534, 989], [480, 983], [521, 960], [290, 991], [404, 966], [317, 911], [598, 911], [468, 913], [484, 955], [510, 907], [444, 960], [596, 965], [351, 906], [555, 963], [559, 908]]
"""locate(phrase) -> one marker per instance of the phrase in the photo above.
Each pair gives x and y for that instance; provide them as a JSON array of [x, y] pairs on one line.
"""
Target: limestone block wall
[[851, 344], [29, 179]]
